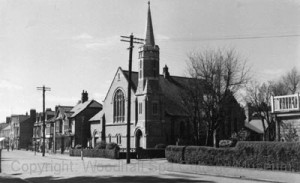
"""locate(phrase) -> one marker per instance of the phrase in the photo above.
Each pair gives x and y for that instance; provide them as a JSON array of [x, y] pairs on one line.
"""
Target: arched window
[[119, 106]]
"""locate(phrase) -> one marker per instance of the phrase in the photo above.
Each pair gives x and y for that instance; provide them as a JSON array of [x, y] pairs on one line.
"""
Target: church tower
[[149, 98], [148, 65]]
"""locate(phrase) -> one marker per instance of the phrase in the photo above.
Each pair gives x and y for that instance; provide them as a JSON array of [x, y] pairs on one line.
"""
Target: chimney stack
[[8, 120], [84, 96], [166, 72], [32, 114]]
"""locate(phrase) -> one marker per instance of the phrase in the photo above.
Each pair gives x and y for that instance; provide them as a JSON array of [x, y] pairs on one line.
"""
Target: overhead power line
[[232, 37]]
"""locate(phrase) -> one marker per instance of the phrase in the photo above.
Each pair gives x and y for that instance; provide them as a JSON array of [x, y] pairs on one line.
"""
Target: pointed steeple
[[149, 29]]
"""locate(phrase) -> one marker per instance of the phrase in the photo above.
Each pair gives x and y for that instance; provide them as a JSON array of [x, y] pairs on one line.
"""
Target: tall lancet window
[[119, 106]]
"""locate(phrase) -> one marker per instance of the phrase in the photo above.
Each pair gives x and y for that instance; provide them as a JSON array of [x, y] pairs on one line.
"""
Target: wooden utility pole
[[44, 89], [131, 40]]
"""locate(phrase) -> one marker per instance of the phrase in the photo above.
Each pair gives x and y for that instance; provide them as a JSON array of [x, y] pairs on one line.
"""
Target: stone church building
[[157, 113]]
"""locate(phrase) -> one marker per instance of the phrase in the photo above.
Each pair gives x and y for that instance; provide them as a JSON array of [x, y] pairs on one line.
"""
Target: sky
[[74, 45]]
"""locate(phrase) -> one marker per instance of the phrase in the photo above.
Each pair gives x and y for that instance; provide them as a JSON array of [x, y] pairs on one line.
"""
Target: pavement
[[25, 166]]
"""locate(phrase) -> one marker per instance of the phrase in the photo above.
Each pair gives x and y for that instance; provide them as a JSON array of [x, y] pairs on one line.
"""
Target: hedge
[[101, 153], [278, 155], [175, 153], [209, 155], [262, 155]]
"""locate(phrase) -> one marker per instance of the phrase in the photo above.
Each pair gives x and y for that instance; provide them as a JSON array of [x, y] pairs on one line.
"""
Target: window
[[118, 76], [119, 106], [109, 138], [140, 108], [154, 108], [118, 137]]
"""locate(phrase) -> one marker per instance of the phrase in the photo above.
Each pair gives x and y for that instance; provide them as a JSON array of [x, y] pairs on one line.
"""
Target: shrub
[[175, 153], [112, 146], [100, 145], [160, 146]]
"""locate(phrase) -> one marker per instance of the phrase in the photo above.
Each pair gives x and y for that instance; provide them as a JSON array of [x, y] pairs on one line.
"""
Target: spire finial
[[148, 3]]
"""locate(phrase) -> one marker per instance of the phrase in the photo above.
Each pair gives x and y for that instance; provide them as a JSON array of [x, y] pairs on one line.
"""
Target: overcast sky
[[74, 45]]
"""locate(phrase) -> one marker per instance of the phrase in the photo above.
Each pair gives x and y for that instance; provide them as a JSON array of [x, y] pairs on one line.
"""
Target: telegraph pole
[[131, 40], [44, 89]]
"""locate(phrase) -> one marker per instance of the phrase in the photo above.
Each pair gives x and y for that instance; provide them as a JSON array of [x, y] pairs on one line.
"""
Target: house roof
[[6, 128], [97, 116], [82, 106], [3, 125], [64, 111], [256, 125]]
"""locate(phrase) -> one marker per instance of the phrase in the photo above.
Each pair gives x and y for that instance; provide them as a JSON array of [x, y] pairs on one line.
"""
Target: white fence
[[285, 103]]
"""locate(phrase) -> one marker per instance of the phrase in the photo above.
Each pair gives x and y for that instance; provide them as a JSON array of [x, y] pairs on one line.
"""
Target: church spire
[[149, 29]]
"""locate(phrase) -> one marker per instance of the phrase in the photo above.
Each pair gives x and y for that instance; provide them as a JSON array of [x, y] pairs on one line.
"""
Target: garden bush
[[100, 145], [112, 146], [175, 153]]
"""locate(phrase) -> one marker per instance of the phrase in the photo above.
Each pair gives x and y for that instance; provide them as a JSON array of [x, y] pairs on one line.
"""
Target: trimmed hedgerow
[[100, 153], [175, 153], [261, 155], [269, 155], [209, 155]]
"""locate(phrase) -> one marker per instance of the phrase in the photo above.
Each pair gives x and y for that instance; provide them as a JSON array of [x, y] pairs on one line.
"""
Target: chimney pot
[[166, 72]]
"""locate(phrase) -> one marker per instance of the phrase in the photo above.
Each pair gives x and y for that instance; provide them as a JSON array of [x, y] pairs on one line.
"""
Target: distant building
[[4, 135], [21, 130], [37, 135], [79, 125], [63, 128], [96, 128]]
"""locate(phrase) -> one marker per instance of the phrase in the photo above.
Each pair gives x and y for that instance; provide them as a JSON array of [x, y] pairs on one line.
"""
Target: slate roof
[[256, 125], [97, 116], [171, 89], [3, 125], [64, 111], [81, 106]]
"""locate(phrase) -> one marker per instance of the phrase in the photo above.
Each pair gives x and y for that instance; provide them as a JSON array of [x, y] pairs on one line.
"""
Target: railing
[[285, 103]]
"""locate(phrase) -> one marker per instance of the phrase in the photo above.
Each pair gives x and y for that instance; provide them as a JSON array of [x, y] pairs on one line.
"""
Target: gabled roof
[[97, 116], [6, 128], [256, 125], [172, 88], [82, 106], [3, 125], [64, 112]]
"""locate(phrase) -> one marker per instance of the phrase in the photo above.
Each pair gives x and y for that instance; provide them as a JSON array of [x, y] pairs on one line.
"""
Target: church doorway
[[138, 138]]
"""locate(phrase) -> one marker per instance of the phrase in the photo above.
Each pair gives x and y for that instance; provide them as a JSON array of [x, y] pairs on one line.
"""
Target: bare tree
[[221, 73], [258, 96], [192, 98], [292, 80]]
